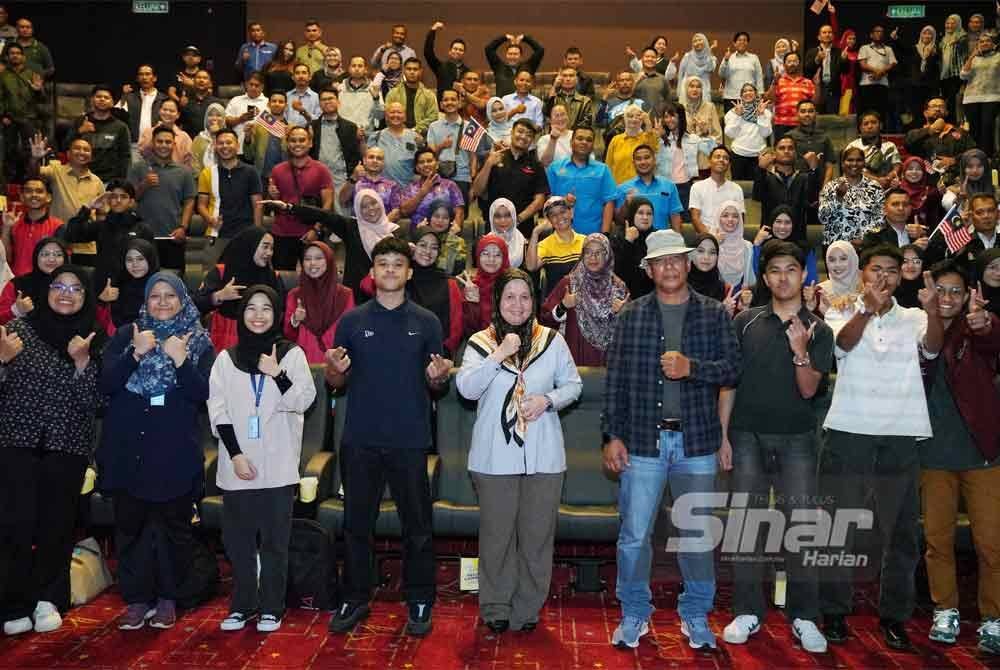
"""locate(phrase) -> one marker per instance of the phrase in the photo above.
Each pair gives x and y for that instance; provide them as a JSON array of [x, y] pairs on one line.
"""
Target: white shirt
[[881, 59], [238, 107], [879, 388], [146, 113], [748, 139], [276, 454], [707, 197], [553, 374]]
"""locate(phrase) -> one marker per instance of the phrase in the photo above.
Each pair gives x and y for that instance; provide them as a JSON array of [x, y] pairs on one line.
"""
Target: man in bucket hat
[[672, 351]]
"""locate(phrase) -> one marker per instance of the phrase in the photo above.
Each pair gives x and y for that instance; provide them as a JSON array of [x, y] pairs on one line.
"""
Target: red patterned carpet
[[574, 634]]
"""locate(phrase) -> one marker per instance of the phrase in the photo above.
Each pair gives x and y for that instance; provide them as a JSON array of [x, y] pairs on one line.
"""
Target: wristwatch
[[801, 362], [863, 311]]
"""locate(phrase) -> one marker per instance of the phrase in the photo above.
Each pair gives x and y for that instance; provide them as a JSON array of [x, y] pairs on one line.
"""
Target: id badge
[[157, 400], [253, 429]]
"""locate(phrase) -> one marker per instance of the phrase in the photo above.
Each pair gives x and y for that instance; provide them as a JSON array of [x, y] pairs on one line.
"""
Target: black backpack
[[202, 578], [312, 568]]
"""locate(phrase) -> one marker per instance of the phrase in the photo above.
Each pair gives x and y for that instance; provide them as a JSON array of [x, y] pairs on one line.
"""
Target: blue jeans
[[639, 497]]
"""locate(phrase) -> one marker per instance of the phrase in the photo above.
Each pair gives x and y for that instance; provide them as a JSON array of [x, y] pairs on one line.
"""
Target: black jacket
[[349, 142], [134, 102], [503, 74], [111, 236], [110, 145], [884, 234], [800, 193], [810, 67], [446, 72]]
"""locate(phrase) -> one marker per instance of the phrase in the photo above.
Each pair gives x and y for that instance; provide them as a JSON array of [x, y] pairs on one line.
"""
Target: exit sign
[[150, 7], [905, 11]]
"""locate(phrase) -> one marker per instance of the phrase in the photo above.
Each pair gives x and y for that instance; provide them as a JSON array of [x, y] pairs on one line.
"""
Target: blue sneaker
[[989, 636], [698, 633], [629, 631]]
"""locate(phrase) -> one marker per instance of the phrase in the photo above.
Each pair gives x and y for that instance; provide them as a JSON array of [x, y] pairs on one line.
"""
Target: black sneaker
[[419, 622], [348, 616]]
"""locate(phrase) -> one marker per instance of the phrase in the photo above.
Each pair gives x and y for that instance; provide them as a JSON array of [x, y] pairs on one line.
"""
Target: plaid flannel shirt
[[634, 388]]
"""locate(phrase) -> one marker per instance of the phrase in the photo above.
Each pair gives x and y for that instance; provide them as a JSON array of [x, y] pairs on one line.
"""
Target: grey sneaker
[[808, 634], [135, 616], [699, 635], [165, 615], [989, 636], [944, 627], [629, 631], [741, 628]]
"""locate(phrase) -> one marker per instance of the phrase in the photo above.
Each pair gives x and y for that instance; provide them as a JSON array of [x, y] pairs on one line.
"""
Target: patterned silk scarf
[[512, 419]]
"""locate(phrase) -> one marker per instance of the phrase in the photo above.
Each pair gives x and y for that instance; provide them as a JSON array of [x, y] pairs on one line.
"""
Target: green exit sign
[[906, 11], [150, 7]]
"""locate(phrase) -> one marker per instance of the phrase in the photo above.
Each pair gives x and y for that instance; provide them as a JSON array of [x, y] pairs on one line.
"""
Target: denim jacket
[[691, 145]]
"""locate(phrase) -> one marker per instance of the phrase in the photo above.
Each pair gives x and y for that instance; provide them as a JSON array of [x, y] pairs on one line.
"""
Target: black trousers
[[982, 118], [858, 472], [287, 251], [154, 541], [950, 88], [743, 168], [245, 514], [39, 492], [365, 472]]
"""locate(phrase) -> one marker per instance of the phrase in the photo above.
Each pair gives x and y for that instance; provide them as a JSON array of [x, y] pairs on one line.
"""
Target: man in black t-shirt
[[387, 343]]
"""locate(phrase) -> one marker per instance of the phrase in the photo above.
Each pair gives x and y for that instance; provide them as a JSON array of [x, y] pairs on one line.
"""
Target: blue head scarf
[[156, 372]]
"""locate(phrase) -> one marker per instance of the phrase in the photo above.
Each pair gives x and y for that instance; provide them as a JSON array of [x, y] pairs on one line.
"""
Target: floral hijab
[[596, 293]]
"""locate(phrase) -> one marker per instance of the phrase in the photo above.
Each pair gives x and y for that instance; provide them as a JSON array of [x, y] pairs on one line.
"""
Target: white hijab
[[732, 248], [371, 233], [513, 237]]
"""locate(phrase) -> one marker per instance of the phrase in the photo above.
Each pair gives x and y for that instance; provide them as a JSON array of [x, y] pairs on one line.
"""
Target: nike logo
[[413, 332], [369, 333]]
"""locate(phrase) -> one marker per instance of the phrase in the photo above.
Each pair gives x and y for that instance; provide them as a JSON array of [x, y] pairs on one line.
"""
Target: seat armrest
[[321, 466], [433, 471], [211, 468]]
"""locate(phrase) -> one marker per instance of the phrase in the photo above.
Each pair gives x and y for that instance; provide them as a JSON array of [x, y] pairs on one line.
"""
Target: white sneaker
[[808, 634], [268, 623], [236, 621], [740, 629], [46, 617], [17, 626]]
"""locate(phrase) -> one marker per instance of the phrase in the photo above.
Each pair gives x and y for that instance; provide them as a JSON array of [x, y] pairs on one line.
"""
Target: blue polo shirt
[[592, 185], [389, 350], [260, 55], [661, 192]]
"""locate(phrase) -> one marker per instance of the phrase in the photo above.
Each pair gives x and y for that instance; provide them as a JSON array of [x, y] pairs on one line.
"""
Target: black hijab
[[990, 293], [238, 262], [428, 287], [907, 292], [709, 283], [132, 290], [798, 235], [249, 346], [56, 330], [35, 284]]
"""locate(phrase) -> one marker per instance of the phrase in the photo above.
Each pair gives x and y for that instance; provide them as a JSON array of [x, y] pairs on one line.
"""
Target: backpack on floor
[[312, 567], [202, 578]]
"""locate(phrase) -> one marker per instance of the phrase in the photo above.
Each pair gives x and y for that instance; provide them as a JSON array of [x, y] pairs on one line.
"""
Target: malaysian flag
[[272, 124], [472, 136], [956, 233]]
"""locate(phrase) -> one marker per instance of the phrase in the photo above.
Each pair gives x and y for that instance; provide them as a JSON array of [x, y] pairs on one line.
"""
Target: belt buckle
[[670, 425]]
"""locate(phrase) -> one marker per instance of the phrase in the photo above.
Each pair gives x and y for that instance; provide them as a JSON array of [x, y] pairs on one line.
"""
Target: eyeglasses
[[428, 247], [71, 289], [599, 253], [913, 261], [51, 254], [953, 291]]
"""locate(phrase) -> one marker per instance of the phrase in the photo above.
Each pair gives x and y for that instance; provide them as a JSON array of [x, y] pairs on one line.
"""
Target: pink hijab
[[371, 233]]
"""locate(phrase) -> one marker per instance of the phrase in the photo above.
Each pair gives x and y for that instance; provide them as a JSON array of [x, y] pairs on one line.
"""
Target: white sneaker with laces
[[740, 629], [808, 634], [46, 617], [268, 623]]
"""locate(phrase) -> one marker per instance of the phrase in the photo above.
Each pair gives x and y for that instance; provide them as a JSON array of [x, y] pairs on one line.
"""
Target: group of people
[[715, 349]]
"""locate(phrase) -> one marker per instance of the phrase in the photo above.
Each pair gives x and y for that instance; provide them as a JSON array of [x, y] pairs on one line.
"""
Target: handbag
[[308, 200], [88, 572], [448, 169]]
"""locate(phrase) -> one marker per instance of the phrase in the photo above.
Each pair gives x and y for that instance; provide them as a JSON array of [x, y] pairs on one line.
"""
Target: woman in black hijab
[[139, 262], [21, 294], [245, 262], [432, 288], [48, 400]]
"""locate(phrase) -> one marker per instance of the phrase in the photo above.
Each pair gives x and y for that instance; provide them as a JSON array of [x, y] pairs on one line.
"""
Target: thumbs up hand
[[142, 341], [24, 304], [10, 346], [268, 363], [177, 348], [79, 350], [299, 315], [109, 294]]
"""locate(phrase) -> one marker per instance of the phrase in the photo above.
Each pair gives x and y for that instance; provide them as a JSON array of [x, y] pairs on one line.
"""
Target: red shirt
[[24, 236], [788, 92], [311, 178]]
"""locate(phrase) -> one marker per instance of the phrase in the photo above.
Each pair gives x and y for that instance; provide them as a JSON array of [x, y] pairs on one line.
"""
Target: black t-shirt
[[389, 351], [518, 179], [767, 396], [236, 185]]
